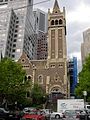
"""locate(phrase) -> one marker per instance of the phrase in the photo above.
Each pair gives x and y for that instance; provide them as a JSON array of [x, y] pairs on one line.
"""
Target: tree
[[84, 80], [38, 95], [11, 81]]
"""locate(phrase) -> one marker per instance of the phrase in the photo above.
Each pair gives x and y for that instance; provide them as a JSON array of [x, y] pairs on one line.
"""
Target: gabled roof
[[24, 60]]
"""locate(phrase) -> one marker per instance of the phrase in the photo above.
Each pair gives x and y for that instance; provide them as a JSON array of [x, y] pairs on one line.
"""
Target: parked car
[[47, 113], [88, 117], [28, 109], [10, 115], [56, 115], [87, 107], [5, 114], [70, 115], [83, 115], [34, 115]]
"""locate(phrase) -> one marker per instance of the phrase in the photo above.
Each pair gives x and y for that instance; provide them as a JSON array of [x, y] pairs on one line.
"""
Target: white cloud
[[80, 14], [75, 54], [79, 63], [77, 19]]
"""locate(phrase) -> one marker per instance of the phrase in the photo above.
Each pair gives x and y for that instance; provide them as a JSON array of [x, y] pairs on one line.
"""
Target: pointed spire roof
[[56, 8], [56, 5]]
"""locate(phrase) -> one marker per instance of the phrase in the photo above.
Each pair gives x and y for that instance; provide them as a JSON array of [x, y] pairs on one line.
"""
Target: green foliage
[[84, 80], [11, 81], [14, 86], [38, 95]]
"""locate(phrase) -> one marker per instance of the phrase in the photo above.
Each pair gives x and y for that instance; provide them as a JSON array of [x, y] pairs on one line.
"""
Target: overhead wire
[[32, 5], [9, 10], [25, 6]]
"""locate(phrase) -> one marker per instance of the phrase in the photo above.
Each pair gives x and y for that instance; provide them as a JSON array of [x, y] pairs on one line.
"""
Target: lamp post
[[85, 94], [15, 104]]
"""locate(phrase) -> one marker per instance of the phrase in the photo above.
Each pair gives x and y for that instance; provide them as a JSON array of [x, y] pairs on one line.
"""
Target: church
[[51, 74]]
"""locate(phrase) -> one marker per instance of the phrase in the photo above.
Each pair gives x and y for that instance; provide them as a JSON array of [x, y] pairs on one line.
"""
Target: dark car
[[84, 115], [8, 115], [4, 114], [88, 115]]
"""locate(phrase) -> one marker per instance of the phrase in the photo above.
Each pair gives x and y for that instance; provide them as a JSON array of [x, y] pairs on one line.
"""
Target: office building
[[41, 21], [72, 71], [42, 52], [41, 27], [85, 46], [17, 34]]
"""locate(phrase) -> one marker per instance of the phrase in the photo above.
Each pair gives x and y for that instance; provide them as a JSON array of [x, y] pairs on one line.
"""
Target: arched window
[[29, 77], [40, 79], [60, 21], [52, 22], [56, 22]]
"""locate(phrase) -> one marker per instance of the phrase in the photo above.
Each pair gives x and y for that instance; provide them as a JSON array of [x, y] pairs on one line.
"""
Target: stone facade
[[85, 46], [51, 73]]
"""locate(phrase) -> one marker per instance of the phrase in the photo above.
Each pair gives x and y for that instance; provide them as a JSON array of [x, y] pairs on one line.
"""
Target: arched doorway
[[55, 93]]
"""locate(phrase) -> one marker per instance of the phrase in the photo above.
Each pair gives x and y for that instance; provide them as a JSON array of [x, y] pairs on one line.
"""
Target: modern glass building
[[41, 28], [72, 66], [41, 21], [17, 32]]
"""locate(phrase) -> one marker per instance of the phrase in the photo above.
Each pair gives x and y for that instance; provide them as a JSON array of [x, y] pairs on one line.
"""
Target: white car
[[56, 115], [28, 109]]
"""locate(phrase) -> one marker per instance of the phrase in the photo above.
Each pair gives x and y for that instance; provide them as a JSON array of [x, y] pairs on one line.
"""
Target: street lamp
[[85, 94], [15, 104]]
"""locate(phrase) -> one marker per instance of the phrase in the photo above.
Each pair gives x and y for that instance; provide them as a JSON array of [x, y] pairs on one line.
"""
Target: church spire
[[56, 8], [56, 5]]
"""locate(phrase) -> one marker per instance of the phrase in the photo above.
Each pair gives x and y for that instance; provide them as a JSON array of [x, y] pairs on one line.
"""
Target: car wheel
[[57, 116]]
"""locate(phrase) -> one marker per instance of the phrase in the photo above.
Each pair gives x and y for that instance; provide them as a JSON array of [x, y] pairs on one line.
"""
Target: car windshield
[[70, 112], [88, 107], [29, 119], [35, 113]]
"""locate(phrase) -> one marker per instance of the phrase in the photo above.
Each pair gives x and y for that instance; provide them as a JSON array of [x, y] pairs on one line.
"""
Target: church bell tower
[[57, 53], [57, 33]]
